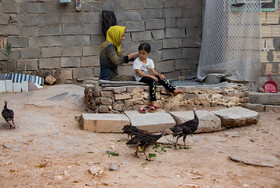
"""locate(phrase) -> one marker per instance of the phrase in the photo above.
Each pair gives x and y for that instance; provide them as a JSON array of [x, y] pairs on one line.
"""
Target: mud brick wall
[[50, 37], [118, 99]]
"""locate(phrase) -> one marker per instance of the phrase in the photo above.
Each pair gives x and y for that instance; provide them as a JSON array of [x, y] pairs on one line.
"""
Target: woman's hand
[[133, 55], [161, 76]]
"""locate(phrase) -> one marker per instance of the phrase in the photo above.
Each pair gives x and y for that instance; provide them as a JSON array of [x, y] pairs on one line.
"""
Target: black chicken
[[184, 129], [8, 115], [131, 130], [144, 140]]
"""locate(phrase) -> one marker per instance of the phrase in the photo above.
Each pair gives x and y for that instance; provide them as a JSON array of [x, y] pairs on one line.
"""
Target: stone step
[[237, 116], [208, 121], [152, 122], [105, 123]]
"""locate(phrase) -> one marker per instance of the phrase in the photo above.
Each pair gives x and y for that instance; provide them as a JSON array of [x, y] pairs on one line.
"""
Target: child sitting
[[145, 72]]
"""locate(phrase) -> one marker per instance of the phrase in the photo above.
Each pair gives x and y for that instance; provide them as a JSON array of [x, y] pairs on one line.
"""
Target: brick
[[49, 63], [165, 66], [30, 53], [9, 30], [60, 41], [4, 19], [29, 20], [32, 8], [72, 29], [264, 56], [172, 12], [191, 53], [66, 74], [90, 61], [155, 45], [96, 71], [189, 22], [70, 62], [268, 68], [193, 12], [186, 64], [30, 31], [154, 4], [266, 31], [72, 51], [134, 26], [263, 17], [272, 17], [158, 34], [172, 43], [38, 41], [175, 32], [275, 30], [50, 30], [155, 24], [128, 16], [82, 72], [81, 40], [141, 36], [91, 50], [171, 22], [52, 52], [90, 18], [30, 65], [151, 13], [9, 8], [171, 54], [156, 56], [91, 29], [71, 18], [104, 122]]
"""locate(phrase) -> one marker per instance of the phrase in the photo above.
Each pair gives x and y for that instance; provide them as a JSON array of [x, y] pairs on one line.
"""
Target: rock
[[113, 167], [237, 116], [50, 80], [96, 171], [255, 159]]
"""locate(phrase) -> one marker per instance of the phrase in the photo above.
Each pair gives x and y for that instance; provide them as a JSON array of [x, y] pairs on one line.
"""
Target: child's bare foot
[[155, 104], [177, 92]]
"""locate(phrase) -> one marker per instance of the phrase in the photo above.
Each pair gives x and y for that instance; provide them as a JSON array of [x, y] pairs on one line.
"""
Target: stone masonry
[[49, 37], [102, 99]]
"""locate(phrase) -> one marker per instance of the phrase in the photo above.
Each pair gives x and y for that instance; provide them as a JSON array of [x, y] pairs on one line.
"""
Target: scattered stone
[[261, 89], [50, 80], [255, 159], [113, 167], [96, 171], [7, 146], [252, 140], [231, 134]]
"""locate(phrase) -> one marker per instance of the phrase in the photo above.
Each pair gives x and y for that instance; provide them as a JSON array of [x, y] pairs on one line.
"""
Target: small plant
[[112, 153], [120, 140], [7, 53], [152, 155]]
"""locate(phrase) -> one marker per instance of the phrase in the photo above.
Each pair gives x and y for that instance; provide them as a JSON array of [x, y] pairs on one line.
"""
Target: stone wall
[[118, 99], [50, 37]]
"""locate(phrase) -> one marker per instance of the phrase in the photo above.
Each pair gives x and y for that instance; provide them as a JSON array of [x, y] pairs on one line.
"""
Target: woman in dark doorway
[[111, 55]]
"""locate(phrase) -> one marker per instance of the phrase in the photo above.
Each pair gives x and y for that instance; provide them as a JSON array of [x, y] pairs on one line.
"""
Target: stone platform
[[118, 97], [209, 121]]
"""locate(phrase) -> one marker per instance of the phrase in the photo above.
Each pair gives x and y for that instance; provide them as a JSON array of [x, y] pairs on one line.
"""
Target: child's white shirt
[[144, 67]]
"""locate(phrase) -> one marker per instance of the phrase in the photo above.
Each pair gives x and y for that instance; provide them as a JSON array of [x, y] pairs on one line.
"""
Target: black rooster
[[144, 140], [8, 115], [184, 129], [131, 130]]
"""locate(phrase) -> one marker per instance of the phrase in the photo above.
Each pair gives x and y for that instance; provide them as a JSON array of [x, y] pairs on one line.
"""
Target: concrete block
[[191, 53], [9, 85], [92, 29], [30, 53], [17, 42], [171, 22], [272, 108], [141, 36], [237, 116], [158, 34], [105, 123], [2, 86], [175, 32], [30, 31], [155, 24], [189, 22], [151, 13], [171, 54], [172, 43], [172, 12], [72, 29], [49, 63], [89, 50], [264, 98], [82, 41], [128, 16], [208, 122], [30, 64], [24, 85], [166, 66], [70, 62], [50, 30], [82, 72], [134, 26], [152, 122], [72, 51], [17, 87]]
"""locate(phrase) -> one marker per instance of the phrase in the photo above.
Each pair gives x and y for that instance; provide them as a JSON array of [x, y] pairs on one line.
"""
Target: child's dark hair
[[145, 46]]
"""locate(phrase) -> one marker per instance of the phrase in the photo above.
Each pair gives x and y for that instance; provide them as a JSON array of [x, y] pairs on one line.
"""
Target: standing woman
[[111, 55]]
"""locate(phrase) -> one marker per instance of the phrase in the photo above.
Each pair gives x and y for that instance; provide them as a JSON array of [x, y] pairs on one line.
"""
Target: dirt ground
[[48, 149]]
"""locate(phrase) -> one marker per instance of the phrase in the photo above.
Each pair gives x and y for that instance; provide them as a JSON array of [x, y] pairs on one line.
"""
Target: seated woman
[[111, 55]]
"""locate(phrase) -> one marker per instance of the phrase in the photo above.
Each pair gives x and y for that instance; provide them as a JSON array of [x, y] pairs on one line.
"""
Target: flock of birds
[[140, 138], [143, 139]]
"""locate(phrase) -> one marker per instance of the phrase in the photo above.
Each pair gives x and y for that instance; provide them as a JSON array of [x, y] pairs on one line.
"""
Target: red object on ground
[[270, 86]]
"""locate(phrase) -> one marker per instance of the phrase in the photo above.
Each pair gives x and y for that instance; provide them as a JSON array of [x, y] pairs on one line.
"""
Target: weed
[[112, 153]]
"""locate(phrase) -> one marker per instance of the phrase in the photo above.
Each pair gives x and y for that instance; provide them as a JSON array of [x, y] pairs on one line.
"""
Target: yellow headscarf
[[114, 34]]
